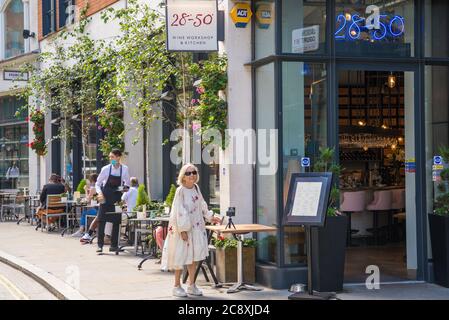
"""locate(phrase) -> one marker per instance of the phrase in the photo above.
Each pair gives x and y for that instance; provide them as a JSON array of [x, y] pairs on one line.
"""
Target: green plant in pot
[[329, 242], [439, 224], [226, 259], [81, 186]]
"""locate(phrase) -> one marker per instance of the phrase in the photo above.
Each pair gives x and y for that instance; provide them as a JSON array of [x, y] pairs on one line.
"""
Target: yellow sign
[[241, 14], [264, 15]]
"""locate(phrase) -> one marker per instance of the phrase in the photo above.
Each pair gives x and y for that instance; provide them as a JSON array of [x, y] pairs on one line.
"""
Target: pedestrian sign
[[305, 162], [437, 160]]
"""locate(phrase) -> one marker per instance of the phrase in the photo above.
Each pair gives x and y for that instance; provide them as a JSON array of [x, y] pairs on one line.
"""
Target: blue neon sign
[[353, 28]]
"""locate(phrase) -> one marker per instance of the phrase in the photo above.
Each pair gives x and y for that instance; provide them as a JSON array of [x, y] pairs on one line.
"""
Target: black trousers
[[115, 219]]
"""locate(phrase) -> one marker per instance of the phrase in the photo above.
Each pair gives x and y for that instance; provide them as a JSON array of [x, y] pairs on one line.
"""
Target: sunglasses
[[190, 173]]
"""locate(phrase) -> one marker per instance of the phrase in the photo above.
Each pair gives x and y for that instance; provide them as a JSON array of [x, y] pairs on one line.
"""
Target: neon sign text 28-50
[[389, 27]]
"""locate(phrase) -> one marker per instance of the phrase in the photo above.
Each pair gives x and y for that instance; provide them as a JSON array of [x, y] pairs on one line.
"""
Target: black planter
[[328, 254], [439, 235]]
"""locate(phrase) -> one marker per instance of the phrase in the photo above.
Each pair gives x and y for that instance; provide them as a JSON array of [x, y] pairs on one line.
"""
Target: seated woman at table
[[186, 241], [90, 193]]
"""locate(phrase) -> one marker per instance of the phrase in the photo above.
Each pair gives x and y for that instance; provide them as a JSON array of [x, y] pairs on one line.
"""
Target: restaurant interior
[[373, 176]]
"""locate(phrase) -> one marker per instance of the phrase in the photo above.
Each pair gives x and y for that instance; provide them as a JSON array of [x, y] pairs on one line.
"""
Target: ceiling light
[[391, 81]]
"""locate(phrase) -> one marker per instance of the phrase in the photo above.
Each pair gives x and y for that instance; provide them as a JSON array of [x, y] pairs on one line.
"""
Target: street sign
[[306, 39], [15, 75], [305, 162], [437, 160], [192, 25]]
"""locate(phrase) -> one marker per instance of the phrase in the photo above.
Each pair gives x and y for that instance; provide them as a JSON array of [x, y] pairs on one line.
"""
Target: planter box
[[439, 236], [226, 264], [328, 255]]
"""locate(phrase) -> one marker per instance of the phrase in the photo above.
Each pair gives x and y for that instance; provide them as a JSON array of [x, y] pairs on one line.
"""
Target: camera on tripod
[[230, 213]]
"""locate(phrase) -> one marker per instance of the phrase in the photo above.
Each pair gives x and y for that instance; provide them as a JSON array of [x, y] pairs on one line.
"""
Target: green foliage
[[38, 144], [81, 186], [170, 196], [142, 198], [226, 243], [325, 163]]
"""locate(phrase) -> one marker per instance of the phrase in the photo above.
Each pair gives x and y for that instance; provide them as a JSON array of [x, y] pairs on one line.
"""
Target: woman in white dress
[[186, 241]]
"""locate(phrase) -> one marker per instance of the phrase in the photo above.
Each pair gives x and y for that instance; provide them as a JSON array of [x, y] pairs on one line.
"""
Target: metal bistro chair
[[59, 209], [12, 206]]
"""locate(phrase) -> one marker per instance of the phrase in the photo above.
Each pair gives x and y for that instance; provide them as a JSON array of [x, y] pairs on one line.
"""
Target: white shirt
[[130, 198], [13, 172], [104, 175]]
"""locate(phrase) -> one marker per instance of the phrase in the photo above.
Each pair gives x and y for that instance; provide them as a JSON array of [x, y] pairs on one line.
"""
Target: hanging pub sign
[[192, 25]]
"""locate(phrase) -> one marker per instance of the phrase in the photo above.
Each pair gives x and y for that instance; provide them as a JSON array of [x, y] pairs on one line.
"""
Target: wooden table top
[[242, 228]]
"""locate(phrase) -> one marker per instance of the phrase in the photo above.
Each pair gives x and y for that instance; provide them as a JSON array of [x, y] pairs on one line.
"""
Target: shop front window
[[436, 22], [437, 124], [303, 26], [13, 15], [266, 177], [304, 106], [13, 146], [375, 28]]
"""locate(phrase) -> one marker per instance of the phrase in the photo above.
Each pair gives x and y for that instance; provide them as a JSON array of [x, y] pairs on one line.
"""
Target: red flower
[[27, 119], [220, 237]]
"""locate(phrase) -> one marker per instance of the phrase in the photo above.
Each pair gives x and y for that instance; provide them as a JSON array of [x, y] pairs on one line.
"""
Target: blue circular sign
[[437, 160], [305, 162]]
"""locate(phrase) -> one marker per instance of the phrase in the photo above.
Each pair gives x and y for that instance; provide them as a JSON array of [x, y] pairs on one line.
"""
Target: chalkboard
[[308, 198]]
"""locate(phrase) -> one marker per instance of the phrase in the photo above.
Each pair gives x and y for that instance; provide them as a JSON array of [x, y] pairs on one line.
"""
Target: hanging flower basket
[[37, 117]]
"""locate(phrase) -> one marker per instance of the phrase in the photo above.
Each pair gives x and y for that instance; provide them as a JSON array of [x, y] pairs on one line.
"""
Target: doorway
[[377, 182]]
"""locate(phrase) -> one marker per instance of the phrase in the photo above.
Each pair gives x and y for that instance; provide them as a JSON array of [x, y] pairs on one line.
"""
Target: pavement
[[69, 270]]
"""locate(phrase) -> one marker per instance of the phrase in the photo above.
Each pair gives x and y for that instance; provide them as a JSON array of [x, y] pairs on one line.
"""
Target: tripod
[[230, 224]]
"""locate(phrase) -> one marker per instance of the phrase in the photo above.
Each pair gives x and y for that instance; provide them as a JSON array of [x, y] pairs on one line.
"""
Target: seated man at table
[[130, 197], [90, 193], [53, 187]]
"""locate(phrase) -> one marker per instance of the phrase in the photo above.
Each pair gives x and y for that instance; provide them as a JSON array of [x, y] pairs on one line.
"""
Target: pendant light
[[391, 81]]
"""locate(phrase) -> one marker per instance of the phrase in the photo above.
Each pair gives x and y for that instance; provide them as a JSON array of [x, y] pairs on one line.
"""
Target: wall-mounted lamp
[[28, 34]]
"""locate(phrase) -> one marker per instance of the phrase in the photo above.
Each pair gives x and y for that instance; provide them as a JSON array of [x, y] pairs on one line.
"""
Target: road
[[14, 285]]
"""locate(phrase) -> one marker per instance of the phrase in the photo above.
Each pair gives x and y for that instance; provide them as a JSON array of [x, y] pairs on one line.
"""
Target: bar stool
[[381, 203], [397, 206], [354, 201]]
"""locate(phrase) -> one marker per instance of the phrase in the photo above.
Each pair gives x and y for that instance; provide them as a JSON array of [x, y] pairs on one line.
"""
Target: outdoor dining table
[[240, 230], [163, 220]]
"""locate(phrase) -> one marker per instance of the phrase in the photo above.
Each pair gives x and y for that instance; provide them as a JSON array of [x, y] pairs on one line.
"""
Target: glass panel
[[266, 175], [13, 146], [437, 123], [14, 43], [304, 26], [265, 28], [304, 97], [375, 28], [436, 28]]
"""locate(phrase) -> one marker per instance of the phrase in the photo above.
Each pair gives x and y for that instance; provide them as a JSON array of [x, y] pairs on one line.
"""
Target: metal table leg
[[240, 285]]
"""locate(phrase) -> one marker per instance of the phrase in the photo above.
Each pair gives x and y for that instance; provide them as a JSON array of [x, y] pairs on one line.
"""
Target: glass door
[[376, 150]]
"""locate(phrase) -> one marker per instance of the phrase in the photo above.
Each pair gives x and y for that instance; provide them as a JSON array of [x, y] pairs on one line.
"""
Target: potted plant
[[329, 242], [64, 197], [143, 200], [169, 199], [226, 259], [439, 225]]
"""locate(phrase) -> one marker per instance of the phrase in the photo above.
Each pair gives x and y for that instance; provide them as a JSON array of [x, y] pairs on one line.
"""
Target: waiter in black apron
[[109, 186]]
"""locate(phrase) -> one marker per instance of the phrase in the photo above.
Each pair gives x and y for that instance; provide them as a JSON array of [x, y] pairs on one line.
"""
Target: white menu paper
[[307, 199]]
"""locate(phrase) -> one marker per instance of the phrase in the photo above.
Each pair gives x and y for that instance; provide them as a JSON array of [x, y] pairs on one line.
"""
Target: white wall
[[236, 187]]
